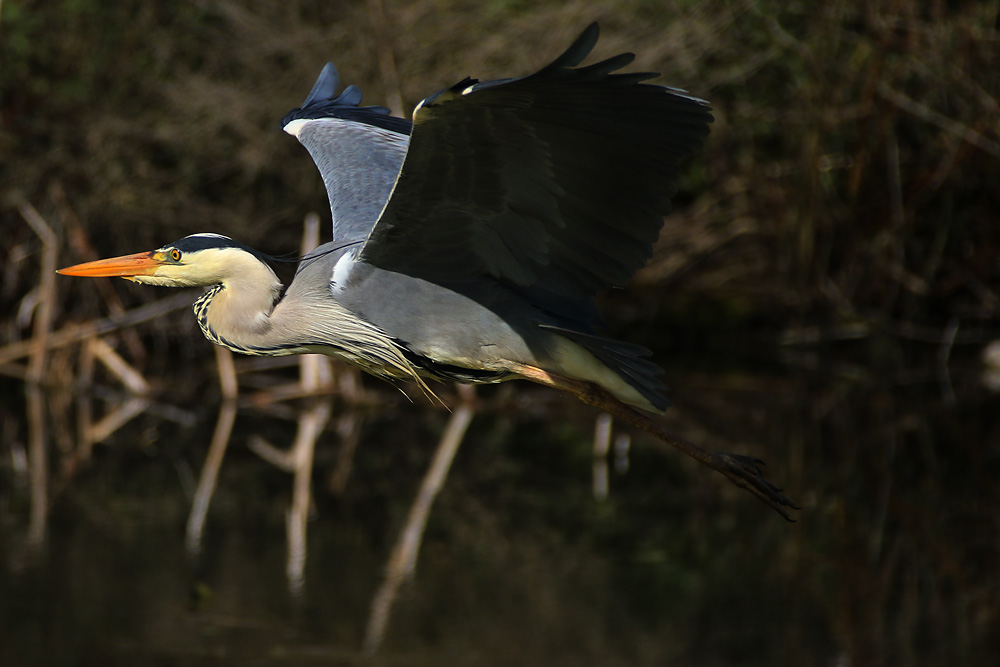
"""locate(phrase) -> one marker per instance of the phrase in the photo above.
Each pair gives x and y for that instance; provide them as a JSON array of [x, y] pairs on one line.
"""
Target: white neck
[[236, 313]]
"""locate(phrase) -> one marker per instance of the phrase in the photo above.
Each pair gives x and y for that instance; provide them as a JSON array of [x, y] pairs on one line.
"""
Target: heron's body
[[468, 245], [495, 338]]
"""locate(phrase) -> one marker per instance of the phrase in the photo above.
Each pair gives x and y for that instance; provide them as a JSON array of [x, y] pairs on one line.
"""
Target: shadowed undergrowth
[[841, 222], [848, 177]]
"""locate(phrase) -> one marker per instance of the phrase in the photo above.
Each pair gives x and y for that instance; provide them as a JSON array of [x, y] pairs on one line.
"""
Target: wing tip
[[323, 101], [326, 85]]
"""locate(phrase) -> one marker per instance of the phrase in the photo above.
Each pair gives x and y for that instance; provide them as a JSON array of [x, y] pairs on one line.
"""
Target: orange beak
[[139, 264]]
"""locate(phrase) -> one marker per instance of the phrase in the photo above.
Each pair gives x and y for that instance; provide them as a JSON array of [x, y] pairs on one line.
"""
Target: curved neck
[[242, 314], [236, 313]]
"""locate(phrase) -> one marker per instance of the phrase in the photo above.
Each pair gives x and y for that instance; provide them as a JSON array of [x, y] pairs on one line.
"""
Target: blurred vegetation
[[850, 176], [843, 215]]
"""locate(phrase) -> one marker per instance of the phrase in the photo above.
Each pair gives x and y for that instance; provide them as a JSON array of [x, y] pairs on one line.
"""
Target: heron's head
[[196, 260]]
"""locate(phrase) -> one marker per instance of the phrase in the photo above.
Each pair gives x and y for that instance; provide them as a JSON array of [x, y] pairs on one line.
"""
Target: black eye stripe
[[204, 241], [198, 242]]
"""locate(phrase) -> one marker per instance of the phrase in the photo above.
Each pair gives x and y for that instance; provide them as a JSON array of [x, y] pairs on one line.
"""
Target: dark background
[[821, 297]]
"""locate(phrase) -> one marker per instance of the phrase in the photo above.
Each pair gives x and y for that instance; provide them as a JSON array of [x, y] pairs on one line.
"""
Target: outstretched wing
[[555, 183], [357, 149]]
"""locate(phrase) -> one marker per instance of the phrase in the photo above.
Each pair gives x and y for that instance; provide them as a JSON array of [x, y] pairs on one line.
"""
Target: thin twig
[[228, 383], [944, 353], [403, 560], [933, 117], [216, 451], [38, 349], [18, 371], [121, 369], [349, 431], [623, 443], [286, 392], [209, 475], [47, 289], [602, 444], [85, 252], [315, 371], [348, 428], [311, 425], [282, 459], [115, 419], [84, 408], [76, 332], [38, 466]]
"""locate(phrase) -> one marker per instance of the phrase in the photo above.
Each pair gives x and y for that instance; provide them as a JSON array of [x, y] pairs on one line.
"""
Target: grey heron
[[469, 244]]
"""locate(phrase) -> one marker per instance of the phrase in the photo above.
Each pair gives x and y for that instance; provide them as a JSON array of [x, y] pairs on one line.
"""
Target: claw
[[744, 472]]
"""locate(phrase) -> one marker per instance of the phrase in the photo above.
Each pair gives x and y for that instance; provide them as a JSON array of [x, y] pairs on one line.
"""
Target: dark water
[[894, 559]]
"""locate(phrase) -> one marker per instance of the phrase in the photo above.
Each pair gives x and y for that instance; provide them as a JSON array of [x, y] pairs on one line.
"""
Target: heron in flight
[[469, 243]]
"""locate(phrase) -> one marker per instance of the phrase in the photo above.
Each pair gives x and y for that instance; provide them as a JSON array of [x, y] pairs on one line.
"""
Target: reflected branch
[[127, 374], [74, 333], [38, 460], [114, 420], [79, 243], [602, 445], [38, 467], [209, 475], [311, 425], [403, 560]]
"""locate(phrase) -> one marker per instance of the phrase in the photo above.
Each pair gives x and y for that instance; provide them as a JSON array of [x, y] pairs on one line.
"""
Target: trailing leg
[[743, 471]]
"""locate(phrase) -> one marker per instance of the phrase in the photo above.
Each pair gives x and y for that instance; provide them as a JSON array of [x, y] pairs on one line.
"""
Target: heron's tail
[[631, 363]]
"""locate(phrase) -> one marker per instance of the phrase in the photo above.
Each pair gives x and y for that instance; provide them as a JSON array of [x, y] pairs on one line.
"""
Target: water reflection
[[893, 561]]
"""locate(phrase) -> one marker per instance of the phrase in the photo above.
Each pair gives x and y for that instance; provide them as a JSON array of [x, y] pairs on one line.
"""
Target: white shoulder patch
[[294, 127], [342, 271]]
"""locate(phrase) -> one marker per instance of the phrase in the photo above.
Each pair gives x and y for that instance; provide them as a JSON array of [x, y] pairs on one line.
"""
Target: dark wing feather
[[324, 102], [555, 183]]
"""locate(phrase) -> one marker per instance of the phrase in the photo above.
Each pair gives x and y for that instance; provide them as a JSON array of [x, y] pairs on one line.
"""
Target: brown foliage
[[848, 175]]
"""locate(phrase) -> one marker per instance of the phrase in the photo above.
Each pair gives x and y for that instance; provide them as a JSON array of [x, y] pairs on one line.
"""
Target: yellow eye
[[175, 255]]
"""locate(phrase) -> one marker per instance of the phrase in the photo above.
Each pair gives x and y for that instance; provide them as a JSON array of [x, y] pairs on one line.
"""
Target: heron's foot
[[745, 472]]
